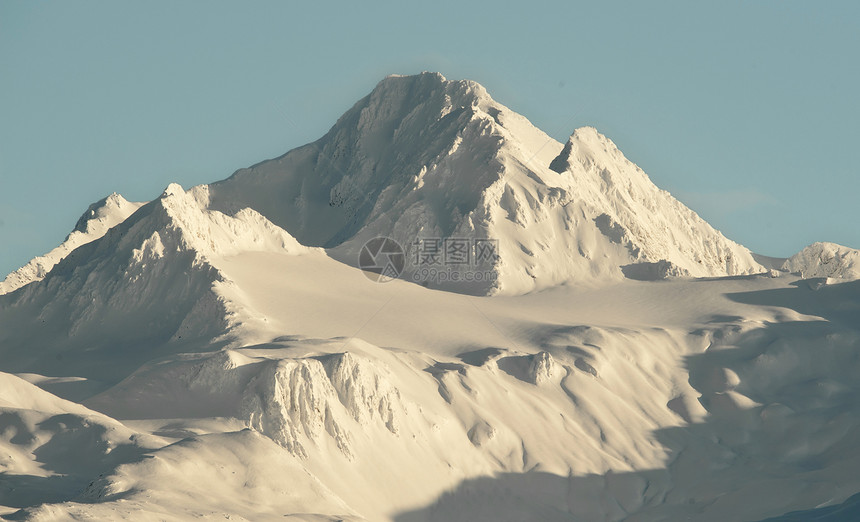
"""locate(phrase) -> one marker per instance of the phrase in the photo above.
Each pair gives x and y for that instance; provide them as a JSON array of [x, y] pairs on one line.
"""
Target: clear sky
[[746, 111]]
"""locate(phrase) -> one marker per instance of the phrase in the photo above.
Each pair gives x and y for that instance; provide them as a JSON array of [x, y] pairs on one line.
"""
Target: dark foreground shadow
[[22, 491], [844, 512], [545, 497], [75, 452], [837, 303], [538, 496]]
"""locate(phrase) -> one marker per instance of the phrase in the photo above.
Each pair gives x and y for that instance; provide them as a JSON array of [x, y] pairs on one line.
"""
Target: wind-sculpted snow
[[291, 401], [198, 477], [51, 448], [723, 417], [313, 403], [296, 400]]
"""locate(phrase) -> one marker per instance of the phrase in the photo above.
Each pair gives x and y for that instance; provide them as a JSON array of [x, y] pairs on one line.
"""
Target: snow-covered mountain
[[98, 219], [825, 260], [629, 210], [424, 157], [152, 275], [214, 353]]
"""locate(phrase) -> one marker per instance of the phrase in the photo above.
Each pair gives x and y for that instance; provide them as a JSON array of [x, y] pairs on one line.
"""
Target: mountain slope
[[93, 224], [825, 260], [661, 401], [423, 158], [50, 448], [146, 288], [630, 210]]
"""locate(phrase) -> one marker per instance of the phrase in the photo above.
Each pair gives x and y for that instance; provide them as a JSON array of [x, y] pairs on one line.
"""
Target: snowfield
[[216, 353]]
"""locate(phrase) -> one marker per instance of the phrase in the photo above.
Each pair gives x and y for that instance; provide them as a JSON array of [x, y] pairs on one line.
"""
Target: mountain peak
[[587, 133], [433, 80], [824, 259], [99, 217], [428, 93], [173, 189], [630, 210], [584, 142], [111, 209], [422, 156], [429, 75], [159, 267], [420, 144]]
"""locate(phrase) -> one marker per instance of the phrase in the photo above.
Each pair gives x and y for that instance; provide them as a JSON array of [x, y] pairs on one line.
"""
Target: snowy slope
[[424, 157], [198, 477], [649, 222], [592, 403], [825, 260], [50, 449], [98, 219]]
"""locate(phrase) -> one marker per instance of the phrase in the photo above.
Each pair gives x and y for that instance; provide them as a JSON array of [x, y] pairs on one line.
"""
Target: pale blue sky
[[746, 111]]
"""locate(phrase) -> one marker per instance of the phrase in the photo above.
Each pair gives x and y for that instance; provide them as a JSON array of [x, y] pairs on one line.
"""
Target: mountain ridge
[[456, 180], [93, 224], [158, 267], [424, 157]]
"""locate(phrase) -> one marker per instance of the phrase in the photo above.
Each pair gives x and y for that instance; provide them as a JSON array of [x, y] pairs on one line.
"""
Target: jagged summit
[[424, 157], [105, 213], [562, 162], [157, 270], [402, 137], [93, 224]]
